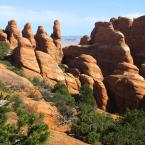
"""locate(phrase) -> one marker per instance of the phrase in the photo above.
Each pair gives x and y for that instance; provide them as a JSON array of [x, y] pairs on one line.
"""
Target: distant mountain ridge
[[70, 40]]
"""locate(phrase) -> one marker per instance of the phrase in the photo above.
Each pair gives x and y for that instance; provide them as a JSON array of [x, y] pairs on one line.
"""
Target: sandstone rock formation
[[24, 57], [91, 74], [59, 138], [108, 48], [49, 68], [13, 79], [27, 33], [85, 40], [134, 33], [46, 44], [56, 35], [125, 87], [73, 83], [13, 33], [124, 25]]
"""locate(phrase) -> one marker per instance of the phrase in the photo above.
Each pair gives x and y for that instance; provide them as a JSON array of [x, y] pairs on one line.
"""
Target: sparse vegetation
[[129, 130], [11, 67], [64, 101], [29, 128], [43, 87], [4, 49], [90, 124]]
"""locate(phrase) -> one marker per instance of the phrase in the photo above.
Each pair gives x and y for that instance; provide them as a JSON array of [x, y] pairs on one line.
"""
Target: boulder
[[28, 33], [13, 33], [86, 64], [126, 88], [85, 40]]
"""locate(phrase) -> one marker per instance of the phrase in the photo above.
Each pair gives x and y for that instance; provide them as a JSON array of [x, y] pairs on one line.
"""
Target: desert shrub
[[63, 100], [129, 130], [11, 67], [33, 96], [62, 67], [4, 49], [90, 124], [43, 87], [4, 87], [29, 130], [36, 82]]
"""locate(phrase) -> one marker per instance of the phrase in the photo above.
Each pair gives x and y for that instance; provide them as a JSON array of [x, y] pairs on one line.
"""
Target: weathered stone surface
[[24, 56], [72, 83], [46, 44], [126, 88], [13, 33], [124, 25], [27, 33], [87, 79], [49, 68], [99, 90], [108, 48], [56, 35], [13, 79], [59, 138], [90, 73], [134, 33], [85, 40], [56, 30], [86, 64], [137, 40], [101, 95]]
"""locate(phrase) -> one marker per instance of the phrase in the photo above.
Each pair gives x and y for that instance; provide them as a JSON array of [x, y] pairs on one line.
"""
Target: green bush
[[4, 87], [129, 130], [29, 130], [90, 124], [63, 100], [4, 49]]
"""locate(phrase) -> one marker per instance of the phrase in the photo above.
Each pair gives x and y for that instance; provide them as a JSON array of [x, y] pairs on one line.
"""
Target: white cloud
[[46, 18]]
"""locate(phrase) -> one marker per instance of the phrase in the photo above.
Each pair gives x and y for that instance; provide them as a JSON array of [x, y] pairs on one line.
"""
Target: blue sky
[[77, 16]]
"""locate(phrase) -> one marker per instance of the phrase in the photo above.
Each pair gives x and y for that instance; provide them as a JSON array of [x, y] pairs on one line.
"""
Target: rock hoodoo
[[85, 40], [28, 33], [108, 48], [13, 33]]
